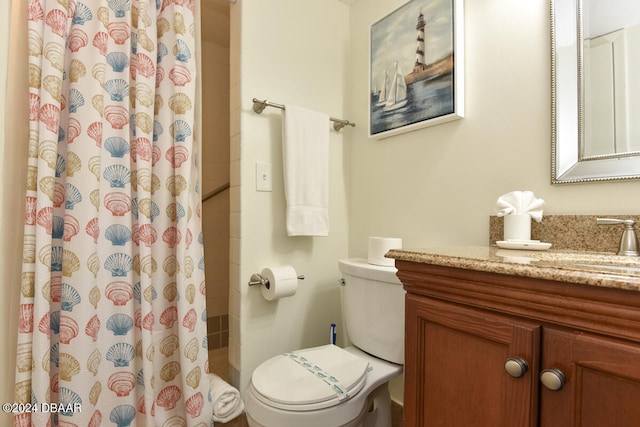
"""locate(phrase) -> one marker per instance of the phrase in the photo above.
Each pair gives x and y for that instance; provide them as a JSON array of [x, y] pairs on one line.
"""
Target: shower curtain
[[112, 326]]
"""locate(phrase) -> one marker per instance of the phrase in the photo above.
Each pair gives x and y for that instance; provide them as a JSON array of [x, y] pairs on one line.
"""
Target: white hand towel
[[520, 202], [227, 404], [306, 171]]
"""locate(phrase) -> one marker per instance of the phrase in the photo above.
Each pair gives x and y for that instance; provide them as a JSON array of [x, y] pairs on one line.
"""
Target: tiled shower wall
[[215, 167], [218, 331]]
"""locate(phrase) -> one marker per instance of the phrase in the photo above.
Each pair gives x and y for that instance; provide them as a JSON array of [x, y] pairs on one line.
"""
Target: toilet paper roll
[[379, 246], [283, 282]]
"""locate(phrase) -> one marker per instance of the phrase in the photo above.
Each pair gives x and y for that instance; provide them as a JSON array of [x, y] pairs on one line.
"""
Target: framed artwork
[[416, 72]]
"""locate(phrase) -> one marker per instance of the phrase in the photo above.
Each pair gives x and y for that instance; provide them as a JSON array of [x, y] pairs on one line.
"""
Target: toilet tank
[[373, 308]]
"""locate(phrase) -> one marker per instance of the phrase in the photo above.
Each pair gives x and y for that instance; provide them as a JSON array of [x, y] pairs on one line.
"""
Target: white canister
[[517, 227]]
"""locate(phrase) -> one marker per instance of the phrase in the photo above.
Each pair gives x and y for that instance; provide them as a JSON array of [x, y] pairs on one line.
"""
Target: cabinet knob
[[516, 366], [553, 379]]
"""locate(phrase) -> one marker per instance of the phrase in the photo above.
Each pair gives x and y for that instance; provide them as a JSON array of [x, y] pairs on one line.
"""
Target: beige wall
[[434, 186], [295, 52], [13, 155], [438, 185]]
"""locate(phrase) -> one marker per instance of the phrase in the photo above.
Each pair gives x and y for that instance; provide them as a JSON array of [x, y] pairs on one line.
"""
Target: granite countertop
[[602, 269]]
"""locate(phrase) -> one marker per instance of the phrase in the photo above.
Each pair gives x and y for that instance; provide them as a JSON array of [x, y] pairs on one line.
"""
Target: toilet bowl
[[328, 386], [296, 401]]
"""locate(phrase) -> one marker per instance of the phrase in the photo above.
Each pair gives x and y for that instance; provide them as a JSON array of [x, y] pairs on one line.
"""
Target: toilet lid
[[308, 377]]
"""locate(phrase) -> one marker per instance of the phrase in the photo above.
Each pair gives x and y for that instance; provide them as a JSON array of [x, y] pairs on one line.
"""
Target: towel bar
[[260, 105]]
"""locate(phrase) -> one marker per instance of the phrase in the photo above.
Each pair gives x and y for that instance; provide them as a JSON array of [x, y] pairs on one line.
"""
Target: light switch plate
[[263, 176]]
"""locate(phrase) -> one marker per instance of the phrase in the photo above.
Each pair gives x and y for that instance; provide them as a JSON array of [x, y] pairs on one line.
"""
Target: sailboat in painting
[[382, 96], [397, 96]]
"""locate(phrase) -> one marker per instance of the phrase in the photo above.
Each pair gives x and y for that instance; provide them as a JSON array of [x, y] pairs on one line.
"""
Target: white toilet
[[328, 386]]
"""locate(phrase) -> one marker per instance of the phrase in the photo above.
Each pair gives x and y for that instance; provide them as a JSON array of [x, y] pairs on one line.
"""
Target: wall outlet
[[263, 176]]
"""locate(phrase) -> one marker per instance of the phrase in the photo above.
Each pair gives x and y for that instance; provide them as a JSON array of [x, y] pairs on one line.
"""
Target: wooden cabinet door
[[454, 367], [602, 381]]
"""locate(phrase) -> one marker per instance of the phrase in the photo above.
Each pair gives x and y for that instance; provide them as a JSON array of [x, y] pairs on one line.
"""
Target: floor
[[219, 365]]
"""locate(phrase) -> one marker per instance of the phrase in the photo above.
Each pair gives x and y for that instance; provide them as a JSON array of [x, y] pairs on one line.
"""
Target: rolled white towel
[[518, 203], [225, 398]]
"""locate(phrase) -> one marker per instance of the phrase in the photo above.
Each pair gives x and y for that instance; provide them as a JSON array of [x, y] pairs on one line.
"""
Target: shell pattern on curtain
[[112, 328]]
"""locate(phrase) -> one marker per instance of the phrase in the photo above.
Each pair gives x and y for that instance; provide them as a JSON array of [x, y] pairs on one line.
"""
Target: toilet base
[[378, 408]]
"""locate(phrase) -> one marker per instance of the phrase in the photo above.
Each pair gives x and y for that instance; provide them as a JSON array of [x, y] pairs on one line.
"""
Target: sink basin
[[614, 267], [604, 262]]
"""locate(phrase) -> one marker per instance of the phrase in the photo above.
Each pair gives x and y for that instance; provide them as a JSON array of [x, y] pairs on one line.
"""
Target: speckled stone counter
[[589, 268]]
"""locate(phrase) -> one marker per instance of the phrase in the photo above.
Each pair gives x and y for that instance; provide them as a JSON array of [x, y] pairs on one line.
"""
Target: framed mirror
[[595, 90]]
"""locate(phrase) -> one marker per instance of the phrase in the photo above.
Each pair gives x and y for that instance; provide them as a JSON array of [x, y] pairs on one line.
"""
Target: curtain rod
[[260, 105]]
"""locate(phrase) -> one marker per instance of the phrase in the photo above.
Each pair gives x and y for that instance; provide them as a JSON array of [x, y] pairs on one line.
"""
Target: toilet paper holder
[[258, 280]]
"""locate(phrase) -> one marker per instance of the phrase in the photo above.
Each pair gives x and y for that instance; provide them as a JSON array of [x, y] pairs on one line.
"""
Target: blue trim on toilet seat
[[335, 385]]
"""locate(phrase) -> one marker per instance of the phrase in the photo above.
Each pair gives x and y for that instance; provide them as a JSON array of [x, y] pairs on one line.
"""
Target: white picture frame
[[416, 72]]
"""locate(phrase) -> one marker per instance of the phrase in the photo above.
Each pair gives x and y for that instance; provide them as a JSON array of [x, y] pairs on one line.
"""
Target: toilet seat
[[309, 379]]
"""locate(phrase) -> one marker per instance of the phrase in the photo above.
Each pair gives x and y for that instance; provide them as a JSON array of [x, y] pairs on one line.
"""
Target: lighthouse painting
[[416, 67]]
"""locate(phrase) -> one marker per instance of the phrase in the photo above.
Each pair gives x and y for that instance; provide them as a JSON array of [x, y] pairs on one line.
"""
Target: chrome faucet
[[629, 240]]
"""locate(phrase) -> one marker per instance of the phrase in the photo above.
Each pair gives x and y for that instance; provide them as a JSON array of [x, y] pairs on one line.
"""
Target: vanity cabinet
[[603, 380], [482, 349]]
